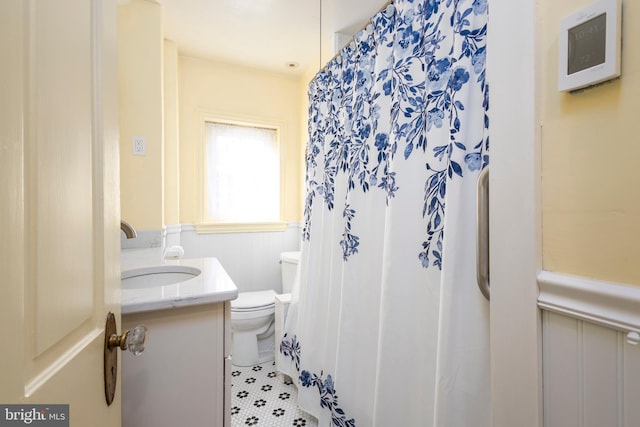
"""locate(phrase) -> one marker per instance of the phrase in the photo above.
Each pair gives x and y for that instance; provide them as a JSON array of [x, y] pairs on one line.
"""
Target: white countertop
[[212, 285]]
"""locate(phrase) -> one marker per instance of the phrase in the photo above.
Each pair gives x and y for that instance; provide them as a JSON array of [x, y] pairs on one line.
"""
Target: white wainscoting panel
[[591, 374], [252, 260]]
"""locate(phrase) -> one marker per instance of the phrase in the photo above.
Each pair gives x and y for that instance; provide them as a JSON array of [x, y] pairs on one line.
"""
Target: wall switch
[[139, 146]]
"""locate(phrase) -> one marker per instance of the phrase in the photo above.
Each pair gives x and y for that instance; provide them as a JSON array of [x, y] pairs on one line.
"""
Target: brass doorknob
[[134, 341]]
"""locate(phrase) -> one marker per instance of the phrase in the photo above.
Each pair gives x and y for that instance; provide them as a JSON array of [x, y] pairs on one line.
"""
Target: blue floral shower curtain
[[387, 326]]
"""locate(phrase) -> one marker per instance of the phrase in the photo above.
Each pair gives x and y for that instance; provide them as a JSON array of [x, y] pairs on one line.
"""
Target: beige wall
[[215, 90], [171, 153], [140, 65], [163, 97], [590, 160]]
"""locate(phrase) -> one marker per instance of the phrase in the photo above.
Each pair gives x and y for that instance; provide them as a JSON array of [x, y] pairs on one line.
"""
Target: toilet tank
[[289, 265]]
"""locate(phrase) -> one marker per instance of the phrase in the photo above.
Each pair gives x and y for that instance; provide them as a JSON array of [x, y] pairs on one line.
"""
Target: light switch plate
[[139, 146]]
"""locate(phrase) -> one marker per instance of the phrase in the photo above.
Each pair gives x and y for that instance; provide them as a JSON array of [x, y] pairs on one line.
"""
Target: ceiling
[[266, 34]]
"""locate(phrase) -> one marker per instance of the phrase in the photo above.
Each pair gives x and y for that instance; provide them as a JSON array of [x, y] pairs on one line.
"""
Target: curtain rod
[[386, 5]]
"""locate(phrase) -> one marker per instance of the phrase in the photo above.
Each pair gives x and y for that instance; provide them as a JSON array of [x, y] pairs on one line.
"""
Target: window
[[242, 174]]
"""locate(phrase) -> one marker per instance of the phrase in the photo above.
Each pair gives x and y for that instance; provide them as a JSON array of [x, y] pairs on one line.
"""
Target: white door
[[516, 379], [59, 202]]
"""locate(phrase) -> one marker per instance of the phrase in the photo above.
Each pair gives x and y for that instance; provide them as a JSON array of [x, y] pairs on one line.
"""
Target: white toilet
[[253, 320], [252, 327], [289, 261]]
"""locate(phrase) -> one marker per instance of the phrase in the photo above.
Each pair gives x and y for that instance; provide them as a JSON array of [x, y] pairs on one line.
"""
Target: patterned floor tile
[[261, 398]]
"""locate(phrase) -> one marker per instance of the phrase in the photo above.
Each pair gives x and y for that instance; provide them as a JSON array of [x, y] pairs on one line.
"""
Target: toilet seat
[[254, 301]]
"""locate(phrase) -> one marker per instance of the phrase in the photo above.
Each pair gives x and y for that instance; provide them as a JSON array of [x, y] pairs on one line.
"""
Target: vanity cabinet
[[183, 378]]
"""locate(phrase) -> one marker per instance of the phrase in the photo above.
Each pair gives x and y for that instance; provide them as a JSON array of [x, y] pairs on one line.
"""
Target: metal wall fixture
[[129, 231], [482, 234]]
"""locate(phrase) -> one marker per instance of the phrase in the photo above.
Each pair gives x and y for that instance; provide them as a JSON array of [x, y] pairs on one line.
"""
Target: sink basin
[[156, 276]]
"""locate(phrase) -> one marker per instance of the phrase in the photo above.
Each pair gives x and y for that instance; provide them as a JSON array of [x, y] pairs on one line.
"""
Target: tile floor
[[261, 398]]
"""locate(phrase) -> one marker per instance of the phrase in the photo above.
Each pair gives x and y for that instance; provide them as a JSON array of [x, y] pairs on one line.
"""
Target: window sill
[[240, 227]]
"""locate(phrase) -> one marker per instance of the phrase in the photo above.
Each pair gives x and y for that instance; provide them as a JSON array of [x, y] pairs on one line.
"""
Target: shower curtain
[[387, 326]]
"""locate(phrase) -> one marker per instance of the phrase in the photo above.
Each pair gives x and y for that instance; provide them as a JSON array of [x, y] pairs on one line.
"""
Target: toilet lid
[[253, 300]]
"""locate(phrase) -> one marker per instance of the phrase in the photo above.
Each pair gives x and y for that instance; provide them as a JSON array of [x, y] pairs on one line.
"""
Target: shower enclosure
[[387, 325]]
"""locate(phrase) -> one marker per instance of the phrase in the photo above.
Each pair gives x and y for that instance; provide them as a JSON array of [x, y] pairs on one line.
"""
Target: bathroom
[[204, 88], [164, 96], [572, 233]]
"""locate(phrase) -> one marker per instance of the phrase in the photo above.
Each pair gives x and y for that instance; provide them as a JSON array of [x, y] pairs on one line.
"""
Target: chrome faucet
[[128, 230]]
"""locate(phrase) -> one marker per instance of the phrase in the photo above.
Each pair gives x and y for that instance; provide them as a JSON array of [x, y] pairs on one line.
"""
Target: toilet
[[289, 266], [289, 261], [253, 319], [252, 327]]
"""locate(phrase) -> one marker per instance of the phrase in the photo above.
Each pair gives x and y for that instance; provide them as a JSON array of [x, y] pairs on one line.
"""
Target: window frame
[[207, 224]]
